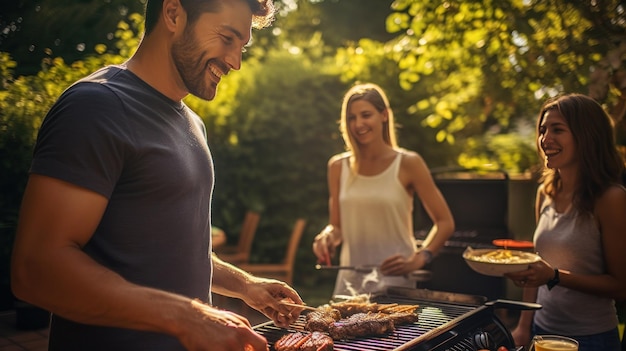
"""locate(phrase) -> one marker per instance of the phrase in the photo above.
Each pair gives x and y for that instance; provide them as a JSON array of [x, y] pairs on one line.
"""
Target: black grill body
[[479, 205]]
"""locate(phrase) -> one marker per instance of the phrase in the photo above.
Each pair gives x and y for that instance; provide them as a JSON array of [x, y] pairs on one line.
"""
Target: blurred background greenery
[[465, 78]]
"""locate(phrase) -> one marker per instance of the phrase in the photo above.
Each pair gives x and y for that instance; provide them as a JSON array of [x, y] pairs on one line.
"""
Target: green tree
[[487, 64], [33, 31], [271, 146], [337, 21]]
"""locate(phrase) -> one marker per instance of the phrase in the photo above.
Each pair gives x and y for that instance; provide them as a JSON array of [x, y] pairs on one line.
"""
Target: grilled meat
[[321, 319], [361, 324], [400, 318], [364, 318], [349, 307], [377, 319], [403, 314], [318, 324], [395, 308], [301, 341]]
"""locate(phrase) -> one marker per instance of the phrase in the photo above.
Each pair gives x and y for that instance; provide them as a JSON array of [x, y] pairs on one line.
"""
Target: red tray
[[513, 244]]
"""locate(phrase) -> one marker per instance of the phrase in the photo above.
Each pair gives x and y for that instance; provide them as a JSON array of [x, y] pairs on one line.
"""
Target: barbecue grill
[[479, 205], [447, 322]]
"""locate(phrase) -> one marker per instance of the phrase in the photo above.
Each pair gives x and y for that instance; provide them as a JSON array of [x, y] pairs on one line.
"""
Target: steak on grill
[[329, 319], [321, 319], [361, 324], [301, 341]]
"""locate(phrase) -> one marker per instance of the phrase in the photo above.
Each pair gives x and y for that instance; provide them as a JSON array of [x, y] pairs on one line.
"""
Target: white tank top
[[376, 215]]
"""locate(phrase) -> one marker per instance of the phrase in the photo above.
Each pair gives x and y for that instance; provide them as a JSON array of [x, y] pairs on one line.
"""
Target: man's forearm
[[229, 280], [77, 288]]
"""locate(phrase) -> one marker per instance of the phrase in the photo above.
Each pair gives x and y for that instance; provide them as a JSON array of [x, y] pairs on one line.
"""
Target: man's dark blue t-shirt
[[114, 134]]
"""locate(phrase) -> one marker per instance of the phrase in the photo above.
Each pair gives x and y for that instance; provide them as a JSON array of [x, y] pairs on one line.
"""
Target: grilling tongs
[[360, 269], [420, 275]]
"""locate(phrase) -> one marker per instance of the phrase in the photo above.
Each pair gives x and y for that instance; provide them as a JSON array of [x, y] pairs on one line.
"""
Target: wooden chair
[[283, 270], [240, 253]]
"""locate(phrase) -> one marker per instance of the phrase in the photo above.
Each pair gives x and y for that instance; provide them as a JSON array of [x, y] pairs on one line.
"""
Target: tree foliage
[[487, 64], [465, 79], [271, 147], [337, 21], [370, 61], [73, 29]]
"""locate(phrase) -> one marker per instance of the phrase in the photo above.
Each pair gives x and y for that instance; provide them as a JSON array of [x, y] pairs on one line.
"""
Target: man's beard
[[188, 62]]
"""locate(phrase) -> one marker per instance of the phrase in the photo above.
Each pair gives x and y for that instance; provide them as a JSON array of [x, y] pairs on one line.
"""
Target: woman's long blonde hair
[[375, 95]]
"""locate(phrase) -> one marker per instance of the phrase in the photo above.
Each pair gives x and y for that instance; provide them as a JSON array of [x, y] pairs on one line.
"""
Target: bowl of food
[[497, 262]]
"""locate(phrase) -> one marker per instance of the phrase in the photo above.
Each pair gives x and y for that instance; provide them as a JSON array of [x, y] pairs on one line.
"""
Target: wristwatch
[[554, 281], [428, 254]]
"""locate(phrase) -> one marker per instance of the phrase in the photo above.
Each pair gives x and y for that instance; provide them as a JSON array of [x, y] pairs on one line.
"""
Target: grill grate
[[431, 315]]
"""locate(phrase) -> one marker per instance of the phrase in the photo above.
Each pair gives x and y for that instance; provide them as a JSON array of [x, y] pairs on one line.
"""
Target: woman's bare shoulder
[[336, 160], [610, 208], [613, 195], [411, 158], [541, 190], [611, 203]]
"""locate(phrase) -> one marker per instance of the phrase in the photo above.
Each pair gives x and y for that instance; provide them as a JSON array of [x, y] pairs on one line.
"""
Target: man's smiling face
[[211, 47]]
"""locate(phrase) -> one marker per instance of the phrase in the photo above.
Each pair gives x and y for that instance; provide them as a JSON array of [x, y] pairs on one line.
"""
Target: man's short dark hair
[[262, 11]]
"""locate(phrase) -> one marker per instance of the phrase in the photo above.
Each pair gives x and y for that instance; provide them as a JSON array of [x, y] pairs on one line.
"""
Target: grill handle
[[513, 305]]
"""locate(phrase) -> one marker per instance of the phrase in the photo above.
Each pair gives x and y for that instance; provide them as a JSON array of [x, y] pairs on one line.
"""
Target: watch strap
[[555, 280]]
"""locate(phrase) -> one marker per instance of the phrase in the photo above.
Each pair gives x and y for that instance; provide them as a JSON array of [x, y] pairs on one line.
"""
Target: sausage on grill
[[400, 318], [301, 341]]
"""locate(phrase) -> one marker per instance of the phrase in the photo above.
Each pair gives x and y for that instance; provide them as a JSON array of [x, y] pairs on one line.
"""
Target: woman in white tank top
[[371, 187]]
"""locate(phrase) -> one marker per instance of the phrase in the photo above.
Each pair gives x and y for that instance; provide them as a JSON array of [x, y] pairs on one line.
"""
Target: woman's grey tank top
[[571, 242]]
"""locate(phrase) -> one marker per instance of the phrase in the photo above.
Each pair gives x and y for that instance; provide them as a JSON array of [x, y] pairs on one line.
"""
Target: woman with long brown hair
[[581, 228]]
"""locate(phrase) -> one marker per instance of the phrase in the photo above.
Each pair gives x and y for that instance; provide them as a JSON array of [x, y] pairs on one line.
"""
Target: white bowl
[[497, 262]]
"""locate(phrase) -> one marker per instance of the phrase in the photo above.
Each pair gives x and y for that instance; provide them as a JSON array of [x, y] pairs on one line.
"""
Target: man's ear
[[171, 14]]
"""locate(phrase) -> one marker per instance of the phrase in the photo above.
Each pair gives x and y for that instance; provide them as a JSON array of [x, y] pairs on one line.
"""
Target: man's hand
[[265, 295], [208, 328]]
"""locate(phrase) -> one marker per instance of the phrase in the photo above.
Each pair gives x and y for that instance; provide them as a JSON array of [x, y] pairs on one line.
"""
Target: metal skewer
[[305, 307]]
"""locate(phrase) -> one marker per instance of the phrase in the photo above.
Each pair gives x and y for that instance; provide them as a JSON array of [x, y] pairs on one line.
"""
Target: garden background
[[465, 79]]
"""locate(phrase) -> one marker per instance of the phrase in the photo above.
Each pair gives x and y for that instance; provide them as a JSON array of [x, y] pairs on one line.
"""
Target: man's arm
[[50, 270], [262, 294]]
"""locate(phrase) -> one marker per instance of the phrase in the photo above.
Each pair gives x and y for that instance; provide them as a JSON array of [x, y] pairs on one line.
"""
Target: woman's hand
[[325, 243], [537, 274], [400, 265], [521, 336]]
